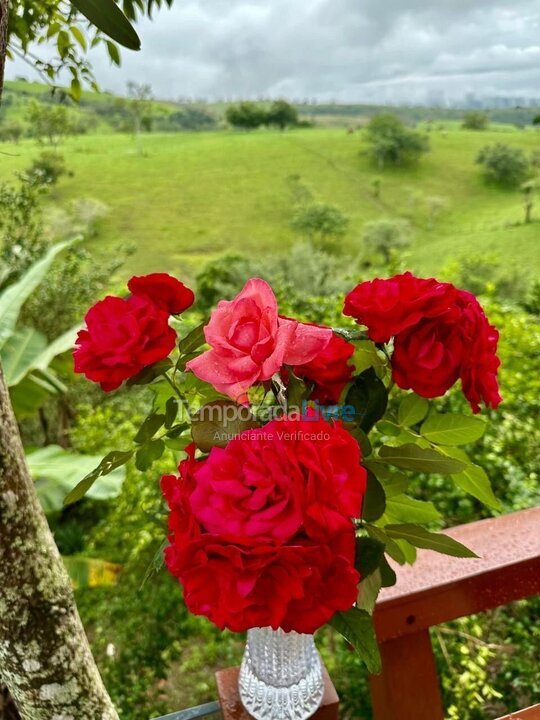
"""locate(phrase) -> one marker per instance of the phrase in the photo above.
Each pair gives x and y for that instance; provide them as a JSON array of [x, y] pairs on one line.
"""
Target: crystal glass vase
[[281, 675]]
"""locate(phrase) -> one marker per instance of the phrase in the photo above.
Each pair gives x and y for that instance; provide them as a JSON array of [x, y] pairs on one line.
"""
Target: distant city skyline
[[397, 51]]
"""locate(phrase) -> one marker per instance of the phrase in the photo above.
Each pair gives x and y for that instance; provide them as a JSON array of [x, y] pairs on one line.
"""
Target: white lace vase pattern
[[281, 675]]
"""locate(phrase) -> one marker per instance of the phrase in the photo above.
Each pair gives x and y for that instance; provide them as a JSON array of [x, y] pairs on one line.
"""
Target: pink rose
[[249, 342]]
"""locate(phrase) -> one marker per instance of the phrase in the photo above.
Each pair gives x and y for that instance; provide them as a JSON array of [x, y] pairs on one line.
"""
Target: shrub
[[475, 120], [504, 165], [245, 115], [49, 167], [392, 143], [383, 237], [11, 132], [321, 223], [282, 114]]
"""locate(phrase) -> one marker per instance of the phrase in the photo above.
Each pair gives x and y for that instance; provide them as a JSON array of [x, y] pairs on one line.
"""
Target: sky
[[389, 51]]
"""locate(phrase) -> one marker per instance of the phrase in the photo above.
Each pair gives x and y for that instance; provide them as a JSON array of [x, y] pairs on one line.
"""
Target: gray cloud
[[347, 50]]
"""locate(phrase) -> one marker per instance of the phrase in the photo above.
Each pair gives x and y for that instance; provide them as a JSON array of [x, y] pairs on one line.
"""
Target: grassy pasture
[[191, 196]]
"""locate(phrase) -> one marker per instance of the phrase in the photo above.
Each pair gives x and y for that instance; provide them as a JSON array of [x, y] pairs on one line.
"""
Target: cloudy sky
[[345, 50]]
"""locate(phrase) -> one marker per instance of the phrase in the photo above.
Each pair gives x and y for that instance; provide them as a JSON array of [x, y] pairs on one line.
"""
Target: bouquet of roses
[[295, 440]]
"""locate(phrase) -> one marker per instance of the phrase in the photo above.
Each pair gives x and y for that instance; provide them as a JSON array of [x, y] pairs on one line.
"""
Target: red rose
[[329, 371], [177, 491], [480, 362], [260, 532], [459, 344], [387, 307], [121, 338], [269, 483], [441, 334], [296, 587], [165, 291]]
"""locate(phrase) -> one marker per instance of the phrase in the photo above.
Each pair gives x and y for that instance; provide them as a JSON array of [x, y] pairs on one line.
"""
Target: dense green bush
[[392, 143], [504, 165], [475, 120]]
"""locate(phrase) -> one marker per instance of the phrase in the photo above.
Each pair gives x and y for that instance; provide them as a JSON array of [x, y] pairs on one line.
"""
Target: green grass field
[[193, 196]]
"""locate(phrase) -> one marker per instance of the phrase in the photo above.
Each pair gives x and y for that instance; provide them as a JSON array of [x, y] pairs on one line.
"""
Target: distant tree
[[140, 106], [383, 237], [140, 109], [320, 223], [192, 118], [392, 143], [245, 115], [48, 122], [536, 121], [504, 165], [475, 120], [11, 132], [282, 114]]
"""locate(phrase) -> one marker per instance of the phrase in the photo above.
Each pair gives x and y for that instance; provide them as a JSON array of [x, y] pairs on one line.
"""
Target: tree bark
[[4, 13], [45, 658]]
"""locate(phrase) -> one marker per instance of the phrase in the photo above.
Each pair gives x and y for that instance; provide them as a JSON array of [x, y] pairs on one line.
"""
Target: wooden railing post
[[408, 687], [435, 591]]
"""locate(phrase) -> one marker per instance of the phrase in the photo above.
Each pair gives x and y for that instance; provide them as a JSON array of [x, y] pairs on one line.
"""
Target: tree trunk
[[45, 658], [4, 12]]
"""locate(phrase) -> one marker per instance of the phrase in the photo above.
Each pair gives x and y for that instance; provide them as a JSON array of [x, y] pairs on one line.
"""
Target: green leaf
[[368, 591], [369, 554], [75, 89], [26, 350], [147, 454], [177, 444], [412, 457], [79, 37], [149, 428], [171, 411], [150, 373], [412, 409], [13, 298], [366, 356], [356, 626], [473, 479], [408, 550], [453, 429], [63, 43], [29, 395], [108, 18], [404, 509], [390, 545], [388, 576], [192, 341], [20, 352], [393, 482], [374, 499], [110, 462], [114, 53], [422, 538], [87, 572], [361, 438], [57, 471], [217, 422], [177, 430], [386, 427], [369, 397], [297, 390]]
